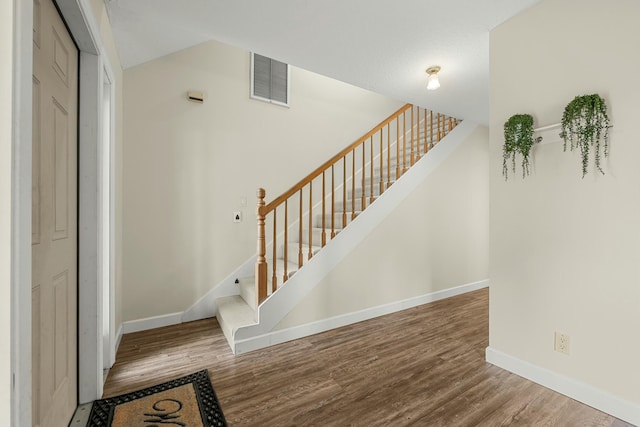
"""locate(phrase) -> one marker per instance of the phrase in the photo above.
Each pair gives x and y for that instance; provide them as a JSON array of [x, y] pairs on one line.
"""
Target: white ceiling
[[381, 45]]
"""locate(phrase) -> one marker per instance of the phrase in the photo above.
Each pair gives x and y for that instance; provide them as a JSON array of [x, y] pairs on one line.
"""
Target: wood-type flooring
[[423, 366]]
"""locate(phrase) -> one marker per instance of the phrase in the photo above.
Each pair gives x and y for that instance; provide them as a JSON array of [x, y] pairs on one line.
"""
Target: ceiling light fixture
[[433, 83]]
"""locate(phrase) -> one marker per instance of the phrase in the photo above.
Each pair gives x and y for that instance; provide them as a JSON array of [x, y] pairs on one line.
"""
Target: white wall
[[6, 71], [436, 239], [187, 166], [565, 250]]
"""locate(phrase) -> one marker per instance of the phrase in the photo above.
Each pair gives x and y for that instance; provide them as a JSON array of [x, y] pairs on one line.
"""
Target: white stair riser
[[233, 312], [248, 291]]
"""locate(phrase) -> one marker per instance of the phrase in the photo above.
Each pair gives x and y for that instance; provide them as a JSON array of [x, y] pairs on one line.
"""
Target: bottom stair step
[[233, 313]]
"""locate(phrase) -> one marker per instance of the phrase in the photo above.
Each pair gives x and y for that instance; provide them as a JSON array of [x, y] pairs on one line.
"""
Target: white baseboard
[[284, 335], [151, 322], [589, 395]]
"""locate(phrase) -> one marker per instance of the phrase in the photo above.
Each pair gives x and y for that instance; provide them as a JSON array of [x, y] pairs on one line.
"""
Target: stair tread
[[305, 248], [318, 229], [235, 312], [348, 211]]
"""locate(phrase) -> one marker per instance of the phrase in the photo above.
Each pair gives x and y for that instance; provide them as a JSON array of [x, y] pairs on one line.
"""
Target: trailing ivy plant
[[518, 140], [585, 124]]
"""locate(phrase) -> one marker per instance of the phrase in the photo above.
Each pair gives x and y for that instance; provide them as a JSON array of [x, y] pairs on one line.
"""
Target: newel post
[[261, 261]]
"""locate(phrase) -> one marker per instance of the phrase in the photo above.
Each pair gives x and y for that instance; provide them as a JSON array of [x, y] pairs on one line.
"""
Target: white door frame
[[93, 63], [107, 217]]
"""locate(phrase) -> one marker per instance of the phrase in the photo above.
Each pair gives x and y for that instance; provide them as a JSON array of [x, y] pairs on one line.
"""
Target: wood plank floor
[[420, 367]]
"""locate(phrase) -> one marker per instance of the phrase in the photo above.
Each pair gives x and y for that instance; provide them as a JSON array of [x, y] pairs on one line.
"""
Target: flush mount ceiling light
[[433, 83]]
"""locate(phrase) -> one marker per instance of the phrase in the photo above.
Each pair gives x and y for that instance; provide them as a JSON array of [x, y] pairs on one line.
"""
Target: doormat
[[187, 402]]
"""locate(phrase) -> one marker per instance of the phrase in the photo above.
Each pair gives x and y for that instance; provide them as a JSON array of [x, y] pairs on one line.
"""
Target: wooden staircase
[[298, 224]]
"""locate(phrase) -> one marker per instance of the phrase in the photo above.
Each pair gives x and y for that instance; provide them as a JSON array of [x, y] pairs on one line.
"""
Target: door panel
[[54, 231], [60, 172]]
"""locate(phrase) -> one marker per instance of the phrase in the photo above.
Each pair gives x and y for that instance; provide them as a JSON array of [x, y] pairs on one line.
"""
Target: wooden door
[[54, 219]]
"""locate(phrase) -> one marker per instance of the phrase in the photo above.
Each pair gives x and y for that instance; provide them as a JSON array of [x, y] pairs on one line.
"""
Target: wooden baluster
[[333, 203], [397, 147], [344, 191], [285, 276], [388, 155], [419, 139], [371, 169], [310, 219], [404, 141], [261, 261], [415, 144], [439, 133], [274, 278], [353, 184], [324, 233], [417, 125], [412, 152], [424, 132], [381, 164], [431, 130], [418, 145], [300, 258], [450, 124], [364, 182]]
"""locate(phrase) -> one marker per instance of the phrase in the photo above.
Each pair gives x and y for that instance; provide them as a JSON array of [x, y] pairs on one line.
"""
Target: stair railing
[[416, 130]]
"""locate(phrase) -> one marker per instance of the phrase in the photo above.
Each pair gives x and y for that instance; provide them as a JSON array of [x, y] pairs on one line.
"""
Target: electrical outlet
[[561, 343], [237, 216]]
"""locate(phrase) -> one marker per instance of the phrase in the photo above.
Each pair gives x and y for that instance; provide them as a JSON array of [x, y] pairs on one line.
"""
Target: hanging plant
[[585, 124], [518, 139]]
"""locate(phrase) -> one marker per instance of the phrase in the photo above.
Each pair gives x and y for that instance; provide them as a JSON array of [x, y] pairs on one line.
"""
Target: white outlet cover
[[562, 343], [237, 216]]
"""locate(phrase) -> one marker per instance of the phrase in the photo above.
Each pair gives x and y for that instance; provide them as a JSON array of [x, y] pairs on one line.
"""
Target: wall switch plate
[[237, 216], [561, 344]]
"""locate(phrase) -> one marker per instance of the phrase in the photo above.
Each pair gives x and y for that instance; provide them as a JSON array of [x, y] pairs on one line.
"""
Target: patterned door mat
[[186, 402]]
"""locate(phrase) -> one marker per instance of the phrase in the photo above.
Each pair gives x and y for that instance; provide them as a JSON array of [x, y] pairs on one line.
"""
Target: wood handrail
[[326, 165]]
